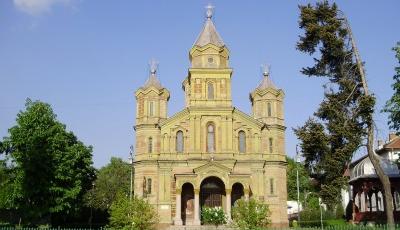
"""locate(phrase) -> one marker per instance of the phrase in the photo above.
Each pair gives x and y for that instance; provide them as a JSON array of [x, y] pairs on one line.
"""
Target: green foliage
[[339, 214], [111, 179], [137, 214], [213, 216], [6, 185], [329, 140], [393, 104], [49, 168], [250, 215], [305, 183]]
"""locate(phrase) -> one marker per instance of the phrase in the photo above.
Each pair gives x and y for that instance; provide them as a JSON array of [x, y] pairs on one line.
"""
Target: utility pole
[[320, 209], [131, 186], [298, 184]]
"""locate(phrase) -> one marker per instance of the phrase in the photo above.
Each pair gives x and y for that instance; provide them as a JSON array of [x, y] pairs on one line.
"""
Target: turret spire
[[153, 80], [266, 82]]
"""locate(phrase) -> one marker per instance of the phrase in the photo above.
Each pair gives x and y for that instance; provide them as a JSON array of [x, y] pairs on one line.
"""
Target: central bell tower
[[208, 83]]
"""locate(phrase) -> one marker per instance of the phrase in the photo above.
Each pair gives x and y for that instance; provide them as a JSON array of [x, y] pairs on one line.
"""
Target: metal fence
[[205, 227]]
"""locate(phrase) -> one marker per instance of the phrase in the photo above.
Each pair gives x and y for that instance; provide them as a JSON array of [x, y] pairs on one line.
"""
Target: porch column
[[178, 219], [246, 194], [196, 220], [228, 203]]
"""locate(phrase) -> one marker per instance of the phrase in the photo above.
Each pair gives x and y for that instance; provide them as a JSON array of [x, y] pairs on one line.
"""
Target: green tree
[[304, 180], [393, 104], [51, 168], [111, 179], [250, 215], [329, 140], [6, 189], [137, 214], [344, 118]]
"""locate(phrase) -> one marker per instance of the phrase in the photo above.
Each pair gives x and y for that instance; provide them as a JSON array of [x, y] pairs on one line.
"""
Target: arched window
[[210, 138], [210, 89], [271, 145], [269, 109], [151, 108], [148, 185], [271, 186], [242, 141], [396, 197], [150, 145], [179, 141]]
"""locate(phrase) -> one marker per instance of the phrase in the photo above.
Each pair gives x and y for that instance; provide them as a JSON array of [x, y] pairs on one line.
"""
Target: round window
[[210, 60]]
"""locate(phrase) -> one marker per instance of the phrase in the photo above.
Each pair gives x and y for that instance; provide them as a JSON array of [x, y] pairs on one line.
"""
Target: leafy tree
[[305, 185], [111, 179], [250, 215], [393, 104], [137, 214], [51, 169], [344, 117]]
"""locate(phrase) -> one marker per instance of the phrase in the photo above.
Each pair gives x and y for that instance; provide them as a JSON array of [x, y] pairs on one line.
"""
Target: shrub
[[137, 214], [250, 215], [214, 216]]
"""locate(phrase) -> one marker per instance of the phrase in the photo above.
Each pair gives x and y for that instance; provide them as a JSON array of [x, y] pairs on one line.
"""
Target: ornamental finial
[[265, 68], [209, 12], [153, 66]]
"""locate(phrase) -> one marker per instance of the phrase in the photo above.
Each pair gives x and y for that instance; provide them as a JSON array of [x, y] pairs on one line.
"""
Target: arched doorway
[[212, 191], [187, 204], [237, 192]]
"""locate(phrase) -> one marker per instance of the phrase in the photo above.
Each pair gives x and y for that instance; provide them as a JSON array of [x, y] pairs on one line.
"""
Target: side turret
[[151, 108], [267, 101]]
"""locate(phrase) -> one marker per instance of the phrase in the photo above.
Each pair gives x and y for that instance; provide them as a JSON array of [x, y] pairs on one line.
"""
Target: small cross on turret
[[153, 66], [209, 12]]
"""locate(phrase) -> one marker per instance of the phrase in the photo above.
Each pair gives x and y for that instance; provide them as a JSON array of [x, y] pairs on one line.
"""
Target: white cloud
[[36, 7]]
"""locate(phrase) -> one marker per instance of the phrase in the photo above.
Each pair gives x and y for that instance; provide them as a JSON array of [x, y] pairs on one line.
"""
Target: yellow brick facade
[[209, 142]]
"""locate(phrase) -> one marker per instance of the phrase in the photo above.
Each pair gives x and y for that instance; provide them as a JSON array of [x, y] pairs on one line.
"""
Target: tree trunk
[[370, 142]]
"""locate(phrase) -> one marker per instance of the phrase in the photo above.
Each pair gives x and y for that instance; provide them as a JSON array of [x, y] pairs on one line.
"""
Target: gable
[[246, 120], [210, 167]]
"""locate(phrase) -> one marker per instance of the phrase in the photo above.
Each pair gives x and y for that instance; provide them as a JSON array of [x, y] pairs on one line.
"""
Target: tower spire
[[209, 34]]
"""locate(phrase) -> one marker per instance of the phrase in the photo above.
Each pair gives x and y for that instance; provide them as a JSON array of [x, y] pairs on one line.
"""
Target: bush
[[311, 223], [250, 215], [137, 214], [214, 216]]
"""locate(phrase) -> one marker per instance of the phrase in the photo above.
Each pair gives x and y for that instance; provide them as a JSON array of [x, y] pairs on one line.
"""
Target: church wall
[[261, 169]]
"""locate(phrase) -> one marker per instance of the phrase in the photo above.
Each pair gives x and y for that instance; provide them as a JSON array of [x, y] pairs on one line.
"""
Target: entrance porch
[[215, 188]]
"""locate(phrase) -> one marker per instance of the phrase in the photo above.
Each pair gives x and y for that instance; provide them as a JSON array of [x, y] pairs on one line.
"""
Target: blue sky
[[86, 58]]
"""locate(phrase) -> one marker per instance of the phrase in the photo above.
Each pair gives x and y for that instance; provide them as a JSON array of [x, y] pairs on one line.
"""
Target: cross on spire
[[265, 68], [153, 66], [209, 12]]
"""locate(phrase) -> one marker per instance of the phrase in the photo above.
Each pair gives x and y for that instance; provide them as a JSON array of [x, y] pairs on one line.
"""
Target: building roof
[[266, 82], [209, 34], [363, 168], [393, 144], [153, 81]]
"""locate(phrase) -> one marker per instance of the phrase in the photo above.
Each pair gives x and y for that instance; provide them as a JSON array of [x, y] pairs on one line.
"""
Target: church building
[[210, 154]]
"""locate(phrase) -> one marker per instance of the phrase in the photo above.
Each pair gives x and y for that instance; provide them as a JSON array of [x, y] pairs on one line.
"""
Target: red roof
[[393, 144]]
